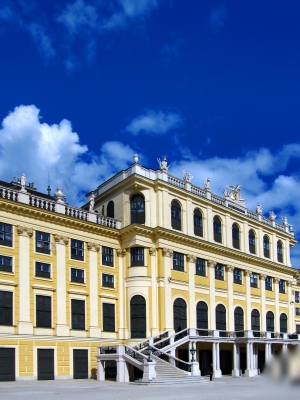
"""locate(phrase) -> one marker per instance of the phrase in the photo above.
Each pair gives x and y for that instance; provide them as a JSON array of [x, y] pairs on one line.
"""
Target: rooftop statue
[[259, 209], [187, 177], [272, 216], [23, 182], [207, 185], [163, 165], [92, 203], [233, 193]]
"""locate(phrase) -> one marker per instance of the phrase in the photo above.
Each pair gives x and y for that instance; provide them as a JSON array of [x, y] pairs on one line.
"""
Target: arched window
[[255, 323], [217, 230], [221, 319], [179, 315], [111, 209], [202, 315], [138, 316], [176, 215], [283, 323], [235, 236], [266, 247], [279, 251], [239, 321], [198, 223], [137, 205], [252, 240], [270, 321]]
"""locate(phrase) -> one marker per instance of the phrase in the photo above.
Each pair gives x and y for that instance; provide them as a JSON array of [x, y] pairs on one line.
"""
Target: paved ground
[[224, 389]]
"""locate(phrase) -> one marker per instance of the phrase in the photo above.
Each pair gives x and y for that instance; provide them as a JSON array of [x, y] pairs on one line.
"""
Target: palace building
[[150, 264]]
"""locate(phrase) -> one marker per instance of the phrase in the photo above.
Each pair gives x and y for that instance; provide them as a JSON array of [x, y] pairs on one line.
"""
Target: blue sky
[[214, 85]]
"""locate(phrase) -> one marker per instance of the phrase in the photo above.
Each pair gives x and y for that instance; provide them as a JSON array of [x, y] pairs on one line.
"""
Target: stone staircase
[[168, 374]]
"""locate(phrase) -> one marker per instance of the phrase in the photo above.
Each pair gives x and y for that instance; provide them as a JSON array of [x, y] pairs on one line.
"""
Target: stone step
[[162, 381]]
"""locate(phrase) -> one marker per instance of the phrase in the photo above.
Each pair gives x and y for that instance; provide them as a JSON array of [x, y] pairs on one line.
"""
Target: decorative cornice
[[191, 258], [247, 272], [8, 283], [24, 231], [211, 264], [121, 252], [44, 287], [92, 246], [60, 239], [80, 292], [167, 252], [152, 251]]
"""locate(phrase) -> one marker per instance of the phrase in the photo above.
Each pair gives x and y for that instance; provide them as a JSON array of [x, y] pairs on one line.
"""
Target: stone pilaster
[[62, 329], [154, 293], [212, 303], [230, 269], [262, 278], [94, 329], [121, 253], [25, 325], [276, 292], [167, 257], [247, 274], [191, 259]]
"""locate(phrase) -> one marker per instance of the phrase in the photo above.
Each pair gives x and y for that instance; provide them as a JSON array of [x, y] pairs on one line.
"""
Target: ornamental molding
[[44, 287], [78, 292], [229, 268], [24, 231], [191, 258], [211, 263], [247, 272], [276, 280], [290, 283], [167, 252], [92, 246], [60, 239], [152, 251], [262, 277], [121, 253], [8, 283]]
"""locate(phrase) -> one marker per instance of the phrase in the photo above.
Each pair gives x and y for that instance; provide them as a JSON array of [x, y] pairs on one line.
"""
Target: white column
[[212, 307], [122, 371], [262, 278], [25, 325], [94, 330], [218, 372], [121, 253], [214, 357], [250, 361], [246, 237], [273, 252], [236, 370], [100, 370], [209, 225], [248, 274], [286, 255], [154, 294], [192, 304], [227, 231], [260, 250], [230, 312], [276, 292], [291, 312], [189, 218], [166, 209], [62, 329], [168, 306]]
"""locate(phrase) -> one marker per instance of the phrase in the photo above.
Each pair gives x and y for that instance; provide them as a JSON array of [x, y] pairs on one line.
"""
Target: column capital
[[229, 268], [191, 258], [211, 263], [25, 231], [276, 280], [262, 277], [121, 252], [92, 246], [290, 283], [152, 251], [167, 252], [247, 272], [60, 239]]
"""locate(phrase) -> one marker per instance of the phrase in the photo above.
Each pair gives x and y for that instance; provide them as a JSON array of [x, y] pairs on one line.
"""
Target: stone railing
[[107, 221], [176, 181], [9, 194], [218, 200], [76, 212], [39, 202], [198, 191]]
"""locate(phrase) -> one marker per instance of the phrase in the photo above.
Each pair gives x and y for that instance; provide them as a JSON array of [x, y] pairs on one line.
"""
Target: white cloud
[[154, 122], [78, 15], [38, 148], [43, 41], [133, 8], [217, 17]]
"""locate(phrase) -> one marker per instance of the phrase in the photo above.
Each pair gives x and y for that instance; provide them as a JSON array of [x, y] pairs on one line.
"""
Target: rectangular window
[[137, 256], [298, 328], [6, 234], [107, 256], [297, 309], [108, 280], [297, 297], [219, 272], [200, 267], [237, 276], [5, 263], [108, 317], [254, 280], [281, 286], [178, 261], [77, 250], [78, 314], [42, 270], [43, 311], [42, 242], [6, 308], [269, 283], [77, 275]]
